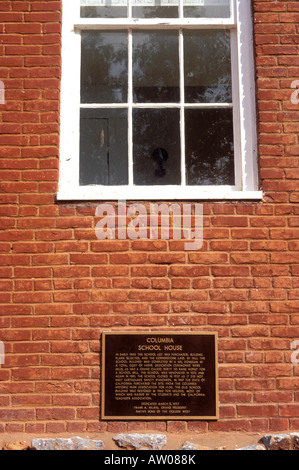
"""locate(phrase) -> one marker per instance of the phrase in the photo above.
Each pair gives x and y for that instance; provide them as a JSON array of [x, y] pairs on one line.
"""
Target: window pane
[[155, 8], [156, 146], [156, 66], [209, 147], [104, 147], [207, 67], [104, 67], [207, 8], [103, 8]]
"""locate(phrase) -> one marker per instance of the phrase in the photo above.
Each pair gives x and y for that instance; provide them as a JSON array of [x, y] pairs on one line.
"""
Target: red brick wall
[[60, 286]]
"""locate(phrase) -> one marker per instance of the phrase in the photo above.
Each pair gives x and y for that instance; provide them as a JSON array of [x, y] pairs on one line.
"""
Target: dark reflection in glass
[[156, 66], [156, 10], [209, 147], [207, 67], [104, 67], [104, 147], [107, 11], [214, 9], [157, 150]]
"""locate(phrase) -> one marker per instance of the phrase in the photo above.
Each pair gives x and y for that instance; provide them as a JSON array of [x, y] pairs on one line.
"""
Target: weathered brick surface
[[60, 286]]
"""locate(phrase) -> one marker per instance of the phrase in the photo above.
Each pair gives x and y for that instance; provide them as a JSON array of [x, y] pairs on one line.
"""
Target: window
[[157, 100]]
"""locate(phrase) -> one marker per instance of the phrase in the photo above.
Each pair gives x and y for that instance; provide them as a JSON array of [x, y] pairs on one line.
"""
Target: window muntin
[[137, 93]]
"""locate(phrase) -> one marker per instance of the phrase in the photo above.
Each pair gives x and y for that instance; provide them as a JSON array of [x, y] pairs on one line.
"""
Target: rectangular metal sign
[[149, 376]]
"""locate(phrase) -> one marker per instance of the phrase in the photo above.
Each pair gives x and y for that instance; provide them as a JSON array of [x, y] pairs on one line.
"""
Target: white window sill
[[110, 193]]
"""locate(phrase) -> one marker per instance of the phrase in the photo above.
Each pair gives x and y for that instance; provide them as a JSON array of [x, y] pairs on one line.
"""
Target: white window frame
[[244, 110]]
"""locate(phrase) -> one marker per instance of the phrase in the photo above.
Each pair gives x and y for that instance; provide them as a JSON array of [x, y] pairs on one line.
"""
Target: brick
[[230, 271], [149, 320], [209, 307], [16, 415], [272, 371], [291, 410], [151, 271], [89, 259], [55, 413], [250, 258], [60, 286], [257, 410], [67, 373], [31, 374], [226, 221], [208, 258]]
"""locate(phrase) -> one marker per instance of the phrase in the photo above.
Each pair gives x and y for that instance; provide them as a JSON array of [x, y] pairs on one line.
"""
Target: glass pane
[[104, 67], [104, 147], [156, 146], [209, 147], [207, 67], [155, 8], [207, 8], [156, 66], [103, 8]]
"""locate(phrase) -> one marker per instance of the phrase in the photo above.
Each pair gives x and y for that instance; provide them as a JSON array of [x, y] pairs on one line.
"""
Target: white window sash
[[144, 23], [142, 3], [243, 107]]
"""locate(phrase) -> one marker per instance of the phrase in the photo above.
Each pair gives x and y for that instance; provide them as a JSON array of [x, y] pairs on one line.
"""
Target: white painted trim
[[236, 109], [107, 193], [248, 132], [154, 105], [126, 23], [233, 11], [95, 3], [243, 105], [182, 104], [70, 97], [130, 106]]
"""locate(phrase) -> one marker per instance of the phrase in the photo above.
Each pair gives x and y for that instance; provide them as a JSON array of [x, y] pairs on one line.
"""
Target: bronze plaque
[[149, 376]]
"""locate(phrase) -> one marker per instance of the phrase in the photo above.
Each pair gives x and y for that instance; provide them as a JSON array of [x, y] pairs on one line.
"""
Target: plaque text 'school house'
[[183, 103]]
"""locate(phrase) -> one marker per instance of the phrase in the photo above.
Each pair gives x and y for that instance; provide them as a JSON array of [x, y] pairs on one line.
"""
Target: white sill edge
[[199, 196]]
